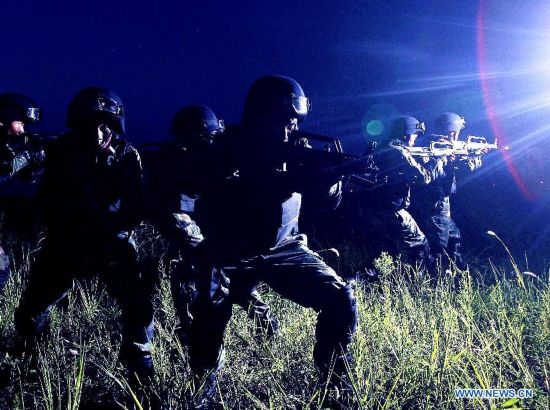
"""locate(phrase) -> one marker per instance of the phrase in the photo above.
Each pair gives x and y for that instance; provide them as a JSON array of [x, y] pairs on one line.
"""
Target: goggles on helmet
[[109, 105], [301, 105], [215, 126], [33, 114], [421, 127]]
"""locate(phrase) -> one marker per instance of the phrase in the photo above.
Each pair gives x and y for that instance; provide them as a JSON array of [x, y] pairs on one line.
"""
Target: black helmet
[[194, 123], [406, 125], [93, 104], [449, 122], [274, 95], [17, 107]]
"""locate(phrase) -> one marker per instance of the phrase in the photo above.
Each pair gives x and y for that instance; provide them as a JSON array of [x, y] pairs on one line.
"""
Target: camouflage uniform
[[19, 177], [434, 208], [385, 221], [174, 176], [91, 201], [250, 222]]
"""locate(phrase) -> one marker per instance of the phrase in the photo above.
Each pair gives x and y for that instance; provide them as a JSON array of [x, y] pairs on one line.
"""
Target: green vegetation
[[416, 342]]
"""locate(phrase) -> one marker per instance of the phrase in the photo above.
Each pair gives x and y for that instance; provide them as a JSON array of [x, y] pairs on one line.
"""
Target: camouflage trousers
[[296, 273], [183, 236], [442, 233], [66, 258], [397, 233]]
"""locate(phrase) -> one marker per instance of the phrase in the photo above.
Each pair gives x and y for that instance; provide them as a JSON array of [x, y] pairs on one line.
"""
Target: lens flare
[[514, 109], [375, 128], [374, 119]]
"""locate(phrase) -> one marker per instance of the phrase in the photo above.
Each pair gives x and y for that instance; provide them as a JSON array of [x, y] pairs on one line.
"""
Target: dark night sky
[[163, 55], [357, 61]]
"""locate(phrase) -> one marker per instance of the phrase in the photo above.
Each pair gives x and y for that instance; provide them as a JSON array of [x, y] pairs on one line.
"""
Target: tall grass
[[416, 343]]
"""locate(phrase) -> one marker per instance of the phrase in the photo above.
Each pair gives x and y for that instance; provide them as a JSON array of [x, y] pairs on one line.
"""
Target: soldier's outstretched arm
[[417, 171]]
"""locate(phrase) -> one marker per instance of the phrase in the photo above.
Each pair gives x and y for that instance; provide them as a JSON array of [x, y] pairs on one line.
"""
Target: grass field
[[416, 343]]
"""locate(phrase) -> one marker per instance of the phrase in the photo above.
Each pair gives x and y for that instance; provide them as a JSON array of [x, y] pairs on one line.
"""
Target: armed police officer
[[434, 201], [384, 219], [250, 223], [175, 174], [91, 197], [18, 164]]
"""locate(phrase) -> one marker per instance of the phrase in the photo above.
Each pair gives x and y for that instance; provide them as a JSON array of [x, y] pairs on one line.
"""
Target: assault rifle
[[435, 149], [327, 154], [473, 146]]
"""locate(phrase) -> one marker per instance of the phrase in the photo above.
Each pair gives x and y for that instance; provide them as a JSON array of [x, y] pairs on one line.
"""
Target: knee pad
[[348, 294], [352, 303], [344, 308]]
